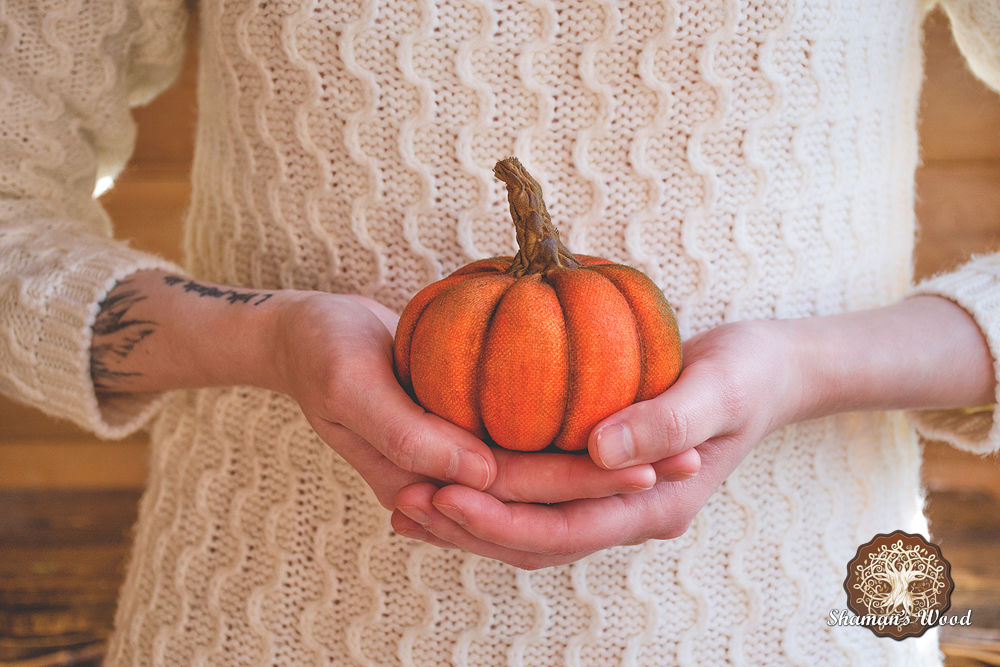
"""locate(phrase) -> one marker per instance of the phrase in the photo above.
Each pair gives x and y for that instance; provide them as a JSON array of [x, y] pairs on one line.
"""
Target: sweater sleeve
[[975, 286], [68, 75], [976, 27]]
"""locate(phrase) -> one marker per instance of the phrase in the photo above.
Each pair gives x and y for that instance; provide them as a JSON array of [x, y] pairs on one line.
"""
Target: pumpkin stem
[[537, 238]]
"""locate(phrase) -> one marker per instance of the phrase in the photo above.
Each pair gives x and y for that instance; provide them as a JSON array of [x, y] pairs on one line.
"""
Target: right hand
[[333, 355]]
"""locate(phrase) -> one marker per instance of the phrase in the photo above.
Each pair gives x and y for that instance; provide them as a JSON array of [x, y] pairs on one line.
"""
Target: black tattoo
[[125, 334], [230, 295]]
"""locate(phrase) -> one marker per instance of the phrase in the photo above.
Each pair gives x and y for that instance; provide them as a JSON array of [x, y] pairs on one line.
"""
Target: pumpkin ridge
[[614, 367], [416, 323], [479, 358], [656, 323], [571, 373], [570, 366], [466, 395], [404, 335], [635, 322]]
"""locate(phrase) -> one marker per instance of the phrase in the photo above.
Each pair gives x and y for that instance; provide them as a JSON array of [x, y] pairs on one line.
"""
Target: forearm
[[158, 331], [924, 352]]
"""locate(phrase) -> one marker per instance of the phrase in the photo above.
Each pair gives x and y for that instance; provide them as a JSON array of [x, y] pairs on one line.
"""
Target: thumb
[[377, 409], [687, 414]]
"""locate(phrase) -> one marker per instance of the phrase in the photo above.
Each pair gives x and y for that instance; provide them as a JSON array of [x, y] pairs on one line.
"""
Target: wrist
[[312, 333], [840, 363], [820, 375], [250, 342], [157, 331], [923, 352], [791, 399]]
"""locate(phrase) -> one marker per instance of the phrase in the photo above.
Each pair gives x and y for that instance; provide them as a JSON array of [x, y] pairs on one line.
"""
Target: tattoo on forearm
[[117, 331], [115, 335], [230, 295]]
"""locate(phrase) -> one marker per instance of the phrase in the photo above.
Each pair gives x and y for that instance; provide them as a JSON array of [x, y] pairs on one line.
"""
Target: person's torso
[[755, 158]]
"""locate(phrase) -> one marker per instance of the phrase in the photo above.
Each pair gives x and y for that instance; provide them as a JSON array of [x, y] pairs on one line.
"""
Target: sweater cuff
[[49, 366], [976, 288]]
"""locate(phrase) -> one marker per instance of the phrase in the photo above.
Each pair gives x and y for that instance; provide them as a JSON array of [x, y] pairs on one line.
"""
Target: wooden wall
[[958, 209]]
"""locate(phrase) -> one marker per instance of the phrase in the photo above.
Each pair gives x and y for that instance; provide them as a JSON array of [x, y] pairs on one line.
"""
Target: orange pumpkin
[[534, 350]]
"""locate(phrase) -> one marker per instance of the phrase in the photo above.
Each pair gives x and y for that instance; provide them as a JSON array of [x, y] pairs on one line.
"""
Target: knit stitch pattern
[[754, 158]]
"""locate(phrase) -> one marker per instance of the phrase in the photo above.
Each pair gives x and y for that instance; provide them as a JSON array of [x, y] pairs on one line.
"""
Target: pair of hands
[[533, 510], [333, 354]]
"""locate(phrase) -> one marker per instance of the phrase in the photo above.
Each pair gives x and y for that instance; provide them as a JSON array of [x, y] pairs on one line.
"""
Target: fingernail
[[416, 514], [638, 486], [615, 446], [413, 533], [646, 481], [677, 476], [452, 513], [468, 468]]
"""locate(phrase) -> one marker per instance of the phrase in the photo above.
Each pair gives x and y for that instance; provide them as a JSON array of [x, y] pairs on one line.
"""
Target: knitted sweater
[[754, 158]]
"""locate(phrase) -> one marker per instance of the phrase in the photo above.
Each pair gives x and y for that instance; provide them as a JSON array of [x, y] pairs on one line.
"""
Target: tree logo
[[899, 585]]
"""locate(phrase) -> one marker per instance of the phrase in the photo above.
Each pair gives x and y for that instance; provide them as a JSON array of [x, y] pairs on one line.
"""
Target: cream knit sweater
[[754, 157]]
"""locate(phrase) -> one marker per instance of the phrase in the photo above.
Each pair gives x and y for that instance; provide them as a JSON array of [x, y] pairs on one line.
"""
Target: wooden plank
[[946, 469], [148, 207], [85, 655], [958, 209], [964, 523], [19, 422], [965, 647], [85, 463], [62, 558]]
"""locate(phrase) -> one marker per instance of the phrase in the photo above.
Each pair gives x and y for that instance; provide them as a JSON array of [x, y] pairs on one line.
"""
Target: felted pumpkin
[[534, 350]]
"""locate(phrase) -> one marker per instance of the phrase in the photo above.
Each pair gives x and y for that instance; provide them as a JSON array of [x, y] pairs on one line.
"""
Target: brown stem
[[537, 238]]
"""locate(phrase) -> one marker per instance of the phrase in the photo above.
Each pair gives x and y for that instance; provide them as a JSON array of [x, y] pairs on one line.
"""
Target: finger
[[418, 501], [388, 317], [377, 409], [531, 536], [407, 527], [683, 466], [687, 414], [557, 477], [579, 526], [384, 477]]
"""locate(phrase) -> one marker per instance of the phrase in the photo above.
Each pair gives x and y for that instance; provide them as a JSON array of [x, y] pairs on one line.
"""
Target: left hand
[[737, 386]]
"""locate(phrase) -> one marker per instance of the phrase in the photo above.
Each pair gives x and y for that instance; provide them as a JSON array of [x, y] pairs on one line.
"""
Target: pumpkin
[[534, 350]]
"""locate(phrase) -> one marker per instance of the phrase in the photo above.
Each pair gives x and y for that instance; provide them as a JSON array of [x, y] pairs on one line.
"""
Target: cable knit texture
[[68, 71], [754, 158]]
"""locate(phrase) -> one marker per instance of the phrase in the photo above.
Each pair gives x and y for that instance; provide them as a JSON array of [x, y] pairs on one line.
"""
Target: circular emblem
[[899, 584]]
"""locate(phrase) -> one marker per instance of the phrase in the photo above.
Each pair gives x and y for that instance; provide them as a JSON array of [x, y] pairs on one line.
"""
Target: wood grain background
[[67, 500]]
